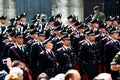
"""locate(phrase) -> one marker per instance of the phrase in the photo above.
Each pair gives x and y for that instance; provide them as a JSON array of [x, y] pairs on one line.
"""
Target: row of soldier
[[54, 48]]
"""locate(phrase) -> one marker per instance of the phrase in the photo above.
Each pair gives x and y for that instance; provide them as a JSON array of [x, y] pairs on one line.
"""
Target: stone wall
[[68, 7], [7, 7]]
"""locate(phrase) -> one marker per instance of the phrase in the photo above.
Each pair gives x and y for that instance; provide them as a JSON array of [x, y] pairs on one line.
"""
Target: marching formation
[[53, 47]]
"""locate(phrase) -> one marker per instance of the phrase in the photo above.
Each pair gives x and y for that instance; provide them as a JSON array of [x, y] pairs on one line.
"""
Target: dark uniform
[[36, 48], [15, 53], [32, 40], [66, 58], [25, 25], [111, 48], [2, 32], [47, 63], [89, 58]]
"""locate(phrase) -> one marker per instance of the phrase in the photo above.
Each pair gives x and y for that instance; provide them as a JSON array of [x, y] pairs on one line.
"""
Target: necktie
[[22, 49]]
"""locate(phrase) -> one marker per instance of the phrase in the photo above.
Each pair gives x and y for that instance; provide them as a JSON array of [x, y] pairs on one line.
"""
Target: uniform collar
[[89, 41]]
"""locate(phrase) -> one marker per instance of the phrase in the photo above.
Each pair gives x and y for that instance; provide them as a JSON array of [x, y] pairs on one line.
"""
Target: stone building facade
[[66, 7]]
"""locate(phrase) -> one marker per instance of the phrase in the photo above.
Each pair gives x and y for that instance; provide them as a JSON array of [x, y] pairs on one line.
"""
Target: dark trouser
[[91, 70]]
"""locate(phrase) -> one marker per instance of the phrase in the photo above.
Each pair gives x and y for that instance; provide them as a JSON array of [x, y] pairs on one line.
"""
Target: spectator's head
[[42, 76], [96, 9], [17, 71], [72, 75], [103, 76], [12, 76], [58, 77]]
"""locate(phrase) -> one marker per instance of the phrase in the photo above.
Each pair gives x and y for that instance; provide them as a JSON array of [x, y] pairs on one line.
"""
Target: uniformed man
[[35, 49], [111, 48], [18, 25], [98, 14], [58, 17], [47, 60], [18, 51], [10, 41], [33, 38], [115, 21], [2, 32], [88, 20], [65, 55], [3, 28], [43, 21], [89, 56], [109, 20], [24, 22], [95, 23]]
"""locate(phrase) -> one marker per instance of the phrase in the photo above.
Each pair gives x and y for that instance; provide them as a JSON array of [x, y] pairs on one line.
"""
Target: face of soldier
[[109, 22], [3, 21], [66, 42], [35, 36], [14, 39], [95, 25], [102, 30], [23, 19], [81, 30], [89, 24], [95, 11], [49, 45], [91, 38], [58, 19], [57, 32], [19, 41], [115, 23], [40, 38], [18, 22], [114, 36]]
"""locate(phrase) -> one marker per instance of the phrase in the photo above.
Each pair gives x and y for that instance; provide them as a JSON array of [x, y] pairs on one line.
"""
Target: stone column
[[76, 8], [9, 8], [1, 7], [68, 7], [60, 6]]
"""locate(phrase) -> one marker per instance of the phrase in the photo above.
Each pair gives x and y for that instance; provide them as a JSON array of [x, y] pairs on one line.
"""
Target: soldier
[[35, 49], [58, 17], [43, 21], [115, 21], [24, 22], [95, 23], [10, 41], [18, 51], [2, 32], [47, 60], [88, 20], [2, 27], [89, 56], [109, 20], [110, 50], [65, 55], [33, 38], [98, 14], [18, 24]]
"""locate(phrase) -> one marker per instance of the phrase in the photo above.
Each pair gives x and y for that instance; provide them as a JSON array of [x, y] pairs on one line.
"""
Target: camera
[[4, 61]]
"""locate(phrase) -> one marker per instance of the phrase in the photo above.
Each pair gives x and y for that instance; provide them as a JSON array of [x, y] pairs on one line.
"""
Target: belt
[[92, 61], [50, 69]]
